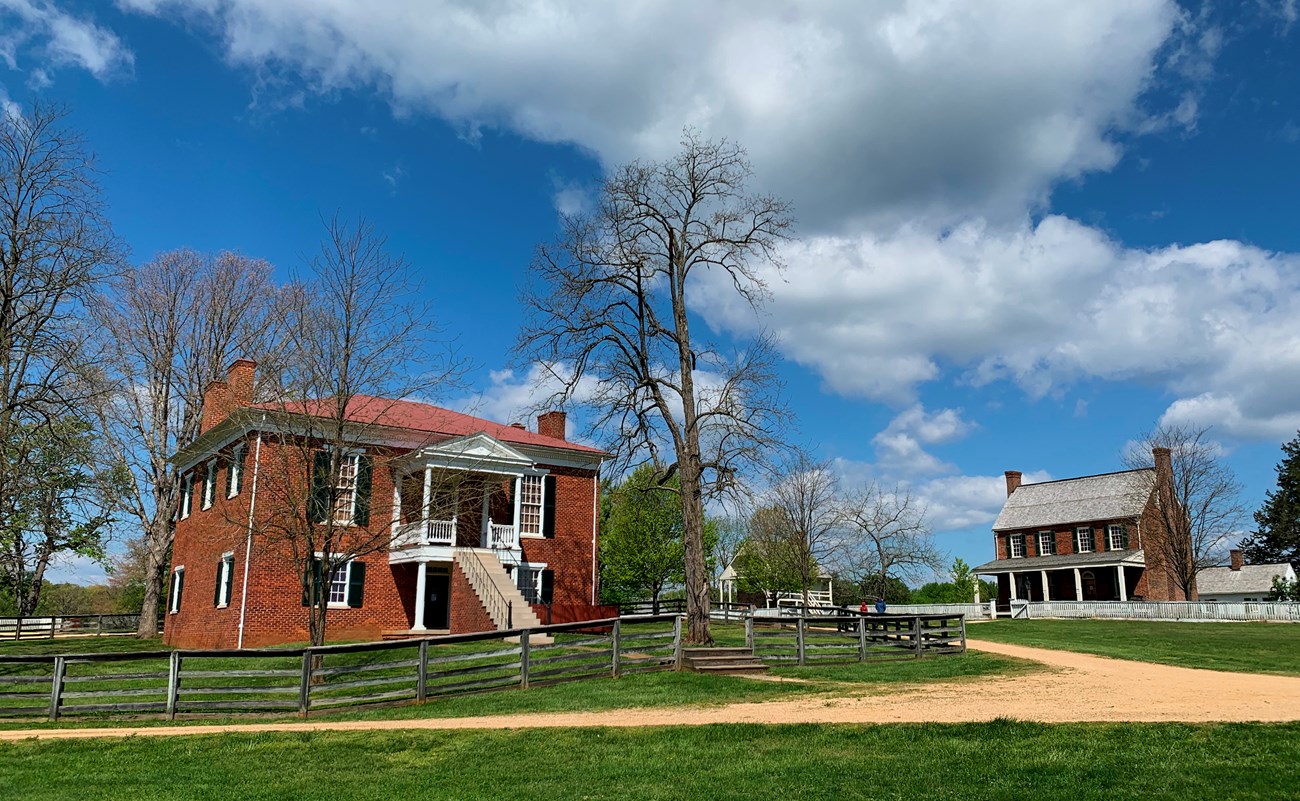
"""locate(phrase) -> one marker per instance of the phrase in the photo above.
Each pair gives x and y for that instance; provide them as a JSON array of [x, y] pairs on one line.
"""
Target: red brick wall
[[467, 611], [569, 554]]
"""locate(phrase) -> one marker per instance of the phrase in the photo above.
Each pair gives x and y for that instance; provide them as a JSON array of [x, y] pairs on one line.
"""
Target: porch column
[[397, 503], [487, 521], [1047, 594], [421, 583], [1011, 580], [1078, 585], [519, 488], [1123, 588], [428, 493]]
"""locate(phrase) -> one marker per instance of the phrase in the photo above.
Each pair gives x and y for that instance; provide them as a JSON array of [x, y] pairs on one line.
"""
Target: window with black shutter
[[356, 584], [548, 506], [548, 586], [318, 503], [178, 587], [361, 507]]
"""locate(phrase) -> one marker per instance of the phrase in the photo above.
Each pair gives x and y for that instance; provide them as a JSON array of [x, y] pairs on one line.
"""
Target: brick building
[[1093, 538], [484, 525]]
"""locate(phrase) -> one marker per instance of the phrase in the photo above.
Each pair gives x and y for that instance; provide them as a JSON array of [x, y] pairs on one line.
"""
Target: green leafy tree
[[1284, 590], [1277, 534], [771, 559], [641, 551]]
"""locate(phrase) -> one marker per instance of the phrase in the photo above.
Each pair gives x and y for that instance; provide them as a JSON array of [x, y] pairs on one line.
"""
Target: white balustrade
[[502, 536], [425, 532]]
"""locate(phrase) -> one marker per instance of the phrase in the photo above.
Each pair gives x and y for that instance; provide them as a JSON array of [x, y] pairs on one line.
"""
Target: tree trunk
[[155, 583], [697, 583]]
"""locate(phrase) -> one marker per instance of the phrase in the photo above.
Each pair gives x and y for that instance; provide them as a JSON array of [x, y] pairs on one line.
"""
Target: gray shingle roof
[[1251, 578], [1077, 500], [1062, 561]]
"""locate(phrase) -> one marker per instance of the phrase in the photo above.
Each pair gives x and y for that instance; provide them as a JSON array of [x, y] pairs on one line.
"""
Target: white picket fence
[[971, 611], [1161, 610]]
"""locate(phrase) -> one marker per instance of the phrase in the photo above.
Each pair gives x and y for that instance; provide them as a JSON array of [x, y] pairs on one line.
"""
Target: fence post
[[616, 658], [963, 634], [799, 640], [749, 633], [862, 638], [56, 688], [173, 683], [421, 680], [523, 659], [304, 688], [54, 621], [18, 628], [916, 635], [99, 625], [677, 643]]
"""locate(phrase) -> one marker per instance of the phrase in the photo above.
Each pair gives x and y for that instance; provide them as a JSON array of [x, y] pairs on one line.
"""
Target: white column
[[397, 503], [1011, 580], [1047, 595], [519, 488], [486, 535], [1123, 589], [1078, 585], [428, 493], [421, 585]]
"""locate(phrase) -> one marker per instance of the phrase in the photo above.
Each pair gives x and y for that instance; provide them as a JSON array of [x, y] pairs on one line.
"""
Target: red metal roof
[[423, 417]]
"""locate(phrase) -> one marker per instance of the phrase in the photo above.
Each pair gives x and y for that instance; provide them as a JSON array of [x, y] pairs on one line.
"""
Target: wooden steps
[[722, 660]]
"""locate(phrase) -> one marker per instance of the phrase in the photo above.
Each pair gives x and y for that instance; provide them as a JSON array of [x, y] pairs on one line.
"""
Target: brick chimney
[[1235, 560], [1013, 481], [551, 424], [1164, 475], [223, 397]]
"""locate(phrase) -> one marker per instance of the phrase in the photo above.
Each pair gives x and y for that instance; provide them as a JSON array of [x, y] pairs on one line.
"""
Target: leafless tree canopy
[[169, 328], [1200, 510], [56, 245], [885, 535], [807, 496], [609, 314], [357, 341]]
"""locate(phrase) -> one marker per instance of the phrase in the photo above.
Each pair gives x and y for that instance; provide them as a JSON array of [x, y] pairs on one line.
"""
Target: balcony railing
[[502, 536], [426, 532]]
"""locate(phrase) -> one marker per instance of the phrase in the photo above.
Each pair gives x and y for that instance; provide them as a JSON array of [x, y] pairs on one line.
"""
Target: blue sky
[[1027, 233]]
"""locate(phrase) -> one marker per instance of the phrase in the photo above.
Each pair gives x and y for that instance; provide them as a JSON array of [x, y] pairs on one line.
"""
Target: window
[[225, 581], [235, 472], [1046, 543], [1116, 538], [345, 489], [187, 494], [209, 484], [530, 505], [1083, 540], [339, 585], [345, 587], [178, 585], [534, 583], [1017, 543]]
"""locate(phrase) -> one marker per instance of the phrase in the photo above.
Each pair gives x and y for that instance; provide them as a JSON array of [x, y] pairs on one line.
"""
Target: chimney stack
[[1013, 481], [1235, 559], [223, 397], [551, 424]]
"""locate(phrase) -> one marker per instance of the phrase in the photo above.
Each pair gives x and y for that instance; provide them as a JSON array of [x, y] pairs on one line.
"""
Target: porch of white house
[[1085, 583]]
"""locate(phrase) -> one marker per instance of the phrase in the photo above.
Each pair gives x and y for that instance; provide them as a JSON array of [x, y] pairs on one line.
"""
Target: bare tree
[[357, 343], [609, 313], [731, 531], [807, 496], [1196, 496], [56, 246], [885, 536], [170, 327]]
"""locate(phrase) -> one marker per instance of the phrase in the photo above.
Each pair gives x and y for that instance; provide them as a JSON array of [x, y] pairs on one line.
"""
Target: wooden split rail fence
[[807, 640], [49, 626], [303, 680]]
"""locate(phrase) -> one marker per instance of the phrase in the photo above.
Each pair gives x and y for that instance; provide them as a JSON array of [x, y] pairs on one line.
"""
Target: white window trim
[[1078, 540], [329, 583], [541, 509], [236, 467], [174, 599], [1114, 537], [355, 455], [1011, 546], [1046, 536], [227, 578], [209, 485], [187, 494], [538, 567]]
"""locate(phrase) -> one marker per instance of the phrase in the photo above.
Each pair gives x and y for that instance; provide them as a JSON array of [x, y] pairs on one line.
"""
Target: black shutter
[[216, 592], [1123, 536], [180, 589], [319, 501], [357, 584], [548, 506], [362, 515], [1007, 546], [230, 580], [548, 586]]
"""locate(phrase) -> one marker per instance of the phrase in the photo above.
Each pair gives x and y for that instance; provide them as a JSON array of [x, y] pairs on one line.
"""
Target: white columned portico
[[1047, 594], [1123, 589], [1078, 585], [421, 585]]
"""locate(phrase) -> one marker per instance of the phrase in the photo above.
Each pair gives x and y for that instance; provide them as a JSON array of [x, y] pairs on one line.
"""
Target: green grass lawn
[[1240, 647], [998, 760]]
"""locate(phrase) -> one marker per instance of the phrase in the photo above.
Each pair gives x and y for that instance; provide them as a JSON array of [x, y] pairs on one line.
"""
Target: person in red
[[864, 608]]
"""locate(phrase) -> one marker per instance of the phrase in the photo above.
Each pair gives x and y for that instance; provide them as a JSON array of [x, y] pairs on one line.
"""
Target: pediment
[[474, 449]]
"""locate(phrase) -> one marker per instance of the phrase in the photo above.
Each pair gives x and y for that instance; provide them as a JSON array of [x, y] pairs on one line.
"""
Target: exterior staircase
[[504, 603], [722, 660]]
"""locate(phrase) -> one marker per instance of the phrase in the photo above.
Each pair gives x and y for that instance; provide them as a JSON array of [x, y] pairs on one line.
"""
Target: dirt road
[[1084, 688]]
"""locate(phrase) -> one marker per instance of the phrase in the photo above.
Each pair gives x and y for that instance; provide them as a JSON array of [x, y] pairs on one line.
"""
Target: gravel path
[[1083, 688]]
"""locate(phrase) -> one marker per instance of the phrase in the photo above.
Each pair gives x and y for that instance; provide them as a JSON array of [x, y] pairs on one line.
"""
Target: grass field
[[998, 760], [1241, 647]]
